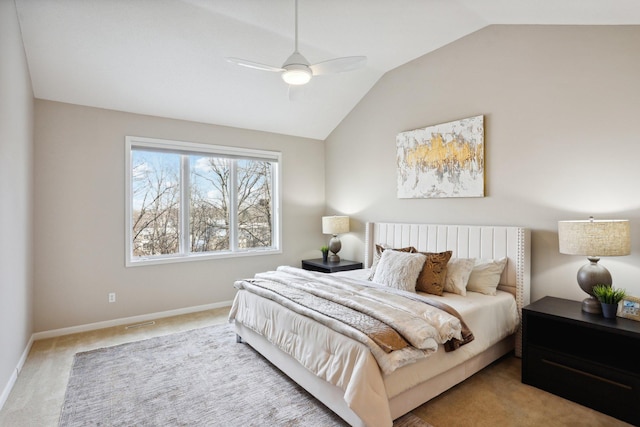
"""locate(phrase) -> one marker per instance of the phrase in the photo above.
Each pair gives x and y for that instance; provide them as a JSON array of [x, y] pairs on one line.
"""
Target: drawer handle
[[587, 374]]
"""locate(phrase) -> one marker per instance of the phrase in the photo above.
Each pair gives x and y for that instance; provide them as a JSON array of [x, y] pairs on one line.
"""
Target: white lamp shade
[[595, 237], [335, 224]]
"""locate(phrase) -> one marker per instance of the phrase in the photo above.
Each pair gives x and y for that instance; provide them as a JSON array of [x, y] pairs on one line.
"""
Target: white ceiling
[[167, 57]]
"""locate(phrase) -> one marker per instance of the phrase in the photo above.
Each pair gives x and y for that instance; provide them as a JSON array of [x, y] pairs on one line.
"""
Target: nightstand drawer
[[582, 356], [602, 388]]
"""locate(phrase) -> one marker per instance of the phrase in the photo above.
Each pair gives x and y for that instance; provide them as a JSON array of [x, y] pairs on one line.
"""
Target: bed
[[343, 373]]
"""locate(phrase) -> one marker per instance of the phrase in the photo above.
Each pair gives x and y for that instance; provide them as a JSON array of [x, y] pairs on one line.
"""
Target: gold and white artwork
[[445, 160]]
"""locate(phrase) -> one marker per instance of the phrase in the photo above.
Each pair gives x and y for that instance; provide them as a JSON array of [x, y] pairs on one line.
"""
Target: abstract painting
[[445, 160]]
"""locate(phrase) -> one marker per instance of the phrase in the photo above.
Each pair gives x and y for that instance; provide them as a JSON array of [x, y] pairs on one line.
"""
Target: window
[[188, 201]]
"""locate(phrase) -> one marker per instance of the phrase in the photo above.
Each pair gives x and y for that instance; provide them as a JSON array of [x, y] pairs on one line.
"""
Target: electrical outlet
[[112, 297]]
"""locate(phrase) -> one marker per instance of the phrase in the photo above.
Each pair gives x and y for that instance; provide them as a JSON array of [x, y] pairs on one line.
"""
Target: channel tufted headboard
[[465, 241]]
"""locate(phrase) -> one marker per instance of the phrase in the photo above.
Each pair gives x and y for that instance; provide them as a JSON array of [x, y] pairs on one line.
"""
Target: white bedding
[[490, 318], [420, 324], [335, 358], [349, 364]]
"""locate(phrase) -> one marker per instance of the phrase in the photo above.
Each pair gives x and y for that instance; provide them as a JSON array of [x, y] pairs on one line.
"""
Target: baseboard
[[14, 376], [126, 321]]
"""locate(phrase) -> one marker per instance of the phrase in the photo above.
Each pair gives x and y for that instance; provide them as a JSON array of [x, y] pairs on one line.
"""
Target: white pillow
[[399, 270], [377, 253], [458, 272], [485, 275]]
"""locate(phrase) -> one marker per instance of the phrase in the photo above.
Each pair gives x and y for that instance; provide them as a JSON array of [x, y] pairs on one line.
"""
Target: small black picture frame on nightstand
[[629, 308]]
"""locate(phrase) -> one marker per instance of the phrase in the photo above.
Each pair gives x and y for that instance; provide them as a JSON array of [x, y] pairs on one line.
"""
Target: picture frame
[[629, 308], [441, 161]]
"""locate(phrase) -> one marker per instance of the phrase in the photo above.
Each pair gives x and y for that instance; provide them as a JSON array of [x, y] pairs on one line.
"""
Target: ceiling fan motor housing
[[296, 70]]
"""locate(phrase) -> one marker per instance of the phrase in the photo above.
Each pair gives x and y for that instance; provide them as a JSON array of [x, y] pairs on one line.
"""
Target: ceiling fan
[[297, 71]]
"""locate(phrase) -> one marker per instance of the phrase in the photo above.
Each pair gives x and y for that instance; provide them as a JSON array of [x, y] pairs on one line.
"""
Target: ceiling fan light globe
[[297, 75]]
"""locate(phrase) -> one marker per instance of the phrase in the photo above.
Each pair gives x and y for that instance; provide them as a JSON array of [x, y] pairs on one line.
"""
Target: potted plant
[[609, 297], [325, 253]]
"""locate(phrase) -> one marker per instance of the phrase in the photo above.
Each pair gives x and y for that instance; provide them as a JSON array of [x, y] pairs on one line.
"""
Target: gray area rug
[[196, 378]]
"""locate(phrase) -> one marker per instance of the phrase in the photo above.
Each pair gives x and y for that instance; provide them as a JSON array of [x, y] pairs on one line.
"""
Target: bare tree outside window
[[228, 207], [254, 204], [156, 199], [209, 207]]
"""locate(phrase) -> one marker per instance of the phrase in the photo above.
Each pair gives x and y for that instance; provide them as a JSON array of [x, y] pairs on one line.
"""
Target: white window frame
[[183, 147]]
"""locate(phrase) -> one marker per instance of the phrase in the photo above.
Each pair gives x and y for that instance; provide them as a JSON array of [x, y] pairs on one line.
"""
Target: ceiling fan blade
[[254, 65], [296, 92], [338, 65]]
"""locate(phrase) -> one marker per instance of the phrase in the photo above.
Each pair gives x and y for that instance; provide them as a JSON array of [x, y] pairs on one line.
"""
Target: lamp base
[[591, 305], [333, 258], [334, 246], [590, 275]]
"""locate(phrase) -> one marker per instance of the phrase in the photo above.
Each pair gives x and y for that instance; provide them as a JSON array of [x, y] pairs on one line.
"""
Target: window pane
[[190, 201], [255, 204], [209, 207], [155, 203]]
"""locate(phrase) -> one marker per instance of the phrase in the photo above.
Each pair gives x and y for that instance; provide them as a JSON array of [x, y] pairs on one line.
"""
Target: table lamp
[[335, 225], [594, 238]]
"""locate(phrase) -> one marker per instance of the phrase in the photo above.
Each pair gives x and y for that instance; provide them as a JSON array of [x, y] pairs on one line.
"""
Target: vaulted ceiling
[[167, 57]]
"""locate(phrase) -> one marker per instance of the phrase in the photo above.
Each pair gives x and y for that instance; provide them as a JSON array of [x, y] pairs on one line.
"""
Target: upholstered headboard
[[465, 241]]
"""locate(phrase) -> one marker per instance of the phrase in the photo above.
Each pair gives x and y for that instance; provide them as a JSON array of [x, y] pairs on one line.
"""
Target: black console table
[[582, 357]]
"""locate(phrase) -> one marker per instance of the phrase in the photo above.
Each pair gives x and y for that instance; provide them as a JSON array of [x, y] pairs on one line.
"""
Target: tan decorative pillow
[[434, 272], [377, 253]]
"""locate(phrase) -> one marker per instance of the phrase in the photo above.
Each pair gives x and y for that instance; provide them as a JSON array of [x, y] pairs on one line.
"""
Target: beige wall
[[561, 108], [560, 104], [79, 217], [16, 191]]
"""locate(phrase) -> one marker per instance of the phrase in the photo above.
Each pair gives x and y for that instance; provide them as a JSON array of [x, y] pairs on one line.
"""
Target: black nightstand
[[582, 357], [330, 267]]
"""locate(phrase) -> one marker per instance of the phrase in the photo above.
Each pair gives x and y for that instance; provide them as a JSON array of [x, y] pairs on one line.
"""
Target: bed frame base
[[325, 392], [333, 397], [411, 399]]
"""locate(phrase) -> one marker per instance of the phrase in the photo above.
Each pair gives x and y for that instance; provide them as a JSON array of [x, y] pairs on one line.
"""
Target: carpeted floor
[[196, 378], [493, 397]]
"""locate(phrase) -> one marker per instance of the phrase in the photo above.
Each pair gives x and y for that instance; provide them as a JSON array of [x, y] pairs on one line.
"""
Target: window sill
[[169, 259]]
